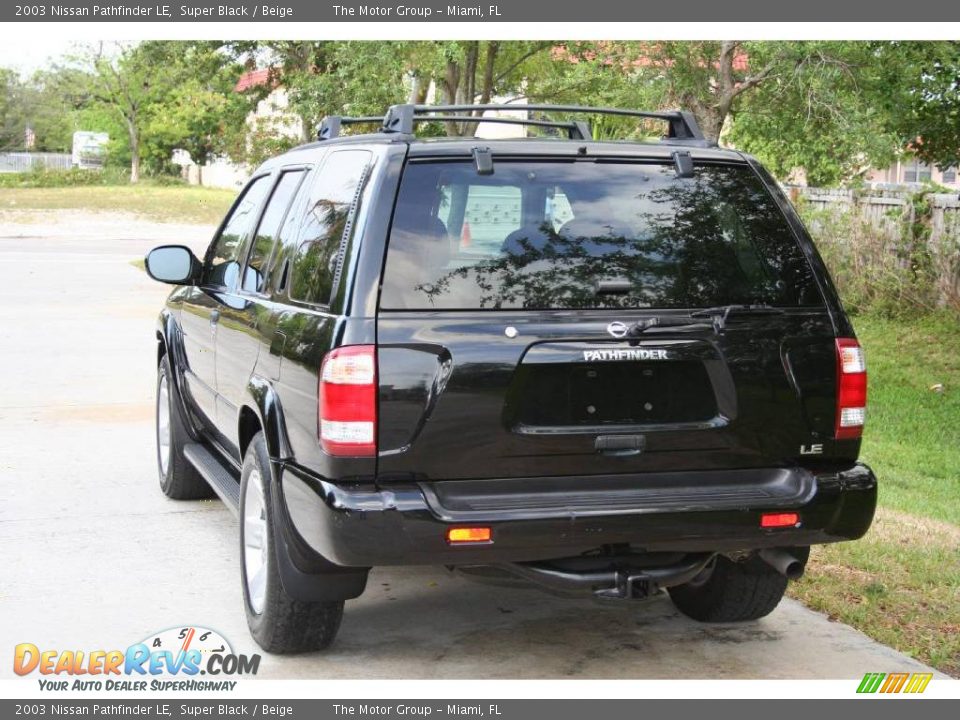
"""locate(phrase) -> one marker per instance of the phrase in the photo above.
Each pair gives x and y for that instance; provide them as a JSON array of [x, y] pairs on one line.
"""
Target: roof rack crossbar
[[560, 124], [681, 125]]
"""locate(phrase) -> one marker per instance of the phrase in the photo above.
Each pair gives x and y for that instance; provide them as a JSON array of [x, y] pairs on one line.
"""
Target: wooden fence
[[889, 217], [884, 209]]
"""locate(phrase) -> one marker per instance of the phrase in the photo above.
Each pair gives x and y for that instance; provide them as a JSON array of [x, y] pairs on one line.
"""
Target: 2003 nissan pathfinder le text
[[610, 368]]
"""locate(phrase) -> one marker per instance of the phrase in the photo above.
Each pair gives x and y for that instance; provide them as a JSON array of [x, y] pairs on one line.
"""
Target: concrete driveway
[[94, 556]]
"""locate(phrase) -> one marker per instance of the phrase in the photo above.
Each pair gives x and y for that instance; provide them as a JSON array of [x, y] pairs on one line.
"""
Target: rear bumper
[[406, 525]]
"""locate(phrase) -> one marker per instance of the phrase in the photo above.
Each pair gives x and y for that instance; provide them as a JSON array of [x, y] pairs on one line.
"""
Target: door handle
[[620, 445]]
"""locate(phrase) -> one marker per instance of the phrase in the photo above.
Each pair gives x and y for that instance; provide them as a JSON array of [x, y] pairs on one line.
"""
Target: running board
[[218, 477]]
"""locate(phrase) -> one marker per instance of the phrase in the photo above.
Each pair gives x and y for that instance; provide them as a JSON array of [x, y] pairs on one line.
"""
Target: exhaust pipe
[[783, 562]]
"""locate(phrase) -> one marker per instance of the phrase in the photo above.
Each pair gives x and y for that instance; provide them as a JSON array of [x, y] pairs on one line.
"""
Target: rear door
[[246, 316], [505, 345], [203, 304]]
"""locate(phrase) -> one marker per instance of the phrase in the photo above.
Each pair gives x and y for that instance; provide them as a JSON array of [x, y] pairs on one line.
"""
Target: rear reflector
[[468, 535], [778, 520], [348, 402], [851, 389]]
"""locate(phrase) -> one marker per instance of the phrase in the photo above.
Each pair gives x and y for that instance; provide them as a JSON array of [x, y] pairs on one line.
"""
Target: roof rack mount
[[682, 127]]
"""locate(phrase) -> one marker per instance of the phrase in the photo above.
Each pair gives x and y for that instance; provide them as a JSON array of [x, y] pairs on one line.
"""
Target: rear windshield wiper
[[720, 313], [718, 317], [658, 321]]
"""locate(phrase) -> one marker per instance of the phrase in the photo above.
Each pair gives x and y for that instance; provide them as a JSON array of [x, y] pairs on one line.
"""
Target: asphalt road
[[92, 555]]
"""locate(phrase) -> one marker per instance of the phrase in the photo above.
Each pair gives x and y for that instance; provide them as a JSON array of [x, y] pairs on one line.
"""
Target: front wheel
[[728, 591], [278, 622]]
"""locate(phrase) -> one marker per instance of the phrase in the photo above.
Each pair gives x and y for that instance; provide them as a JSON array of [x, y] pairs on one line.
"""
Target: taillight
[[851, 389], [348, 401]]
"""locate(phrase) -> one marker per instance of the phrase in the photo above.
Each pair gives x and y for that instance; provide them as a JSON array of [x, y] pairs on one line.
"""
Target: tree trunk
[[486, 90], [134, 151], [711, 122], [451, 86]]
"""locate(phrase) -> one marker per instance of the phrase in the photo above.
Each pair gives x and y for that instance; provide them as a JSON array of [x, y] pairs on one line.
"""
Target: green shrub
[[77, 177], [892, 264], [39, 178]]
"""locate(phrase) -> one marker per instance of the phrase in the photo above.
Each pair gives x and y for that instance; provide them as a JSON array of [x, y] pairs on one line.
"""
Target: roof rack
[[330, 125], [682, 127]]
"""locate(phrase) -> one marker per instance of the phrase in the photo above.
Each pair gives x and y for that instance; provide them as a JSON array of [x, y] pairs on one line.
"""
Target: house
[[910, 170], [271, 117]]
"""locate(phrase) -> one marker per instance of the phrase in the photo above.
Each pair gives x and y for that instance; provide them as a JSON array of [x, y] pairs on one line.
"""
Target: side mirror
[[173, 264]]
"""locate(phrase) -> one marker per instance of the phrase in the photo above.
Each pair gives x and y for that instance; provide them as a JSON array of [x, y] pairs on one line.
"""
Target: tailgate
[[507, 329]]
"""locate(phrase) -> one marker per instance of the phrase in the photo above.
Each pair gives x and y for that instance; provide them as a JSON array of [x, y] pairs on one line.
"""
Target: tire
[[278, 622], [178, 478], [729, 591]]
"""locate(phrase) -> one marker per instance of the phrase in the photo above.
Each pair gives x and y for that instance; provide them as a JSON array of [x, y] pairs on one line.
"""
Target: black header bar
[[532, 11]]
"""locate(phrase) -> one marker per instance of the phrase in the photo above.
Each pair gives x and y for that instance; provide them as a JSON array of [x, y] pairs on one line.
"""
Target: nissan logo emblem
[[617, 329]]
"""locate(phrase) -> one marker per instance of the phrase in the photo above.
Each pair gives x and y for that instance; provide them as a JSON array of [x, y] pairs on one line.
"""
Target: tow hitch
[[623, 583]]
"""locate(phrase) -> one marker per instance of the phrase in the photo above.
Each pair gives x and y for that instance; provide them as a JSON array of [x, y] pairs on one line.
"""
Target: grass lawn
[[901, 583], [184, 204]]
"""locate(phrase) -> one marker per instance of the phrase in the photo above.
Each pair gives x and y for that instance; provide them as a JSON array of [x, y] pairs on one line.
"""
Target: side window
[[222, 266], [263, 242], [329, 206]]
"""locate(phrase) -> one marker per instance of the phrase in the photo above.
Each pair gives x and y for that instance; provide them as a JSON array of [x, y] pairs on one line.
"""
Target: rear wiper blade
[[720, 313], [657, 321], [718, 316]]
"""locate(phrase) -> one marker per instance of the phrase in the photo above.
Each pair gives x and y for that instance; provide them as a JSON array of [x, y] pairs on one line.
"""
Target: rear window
[[541, 235]]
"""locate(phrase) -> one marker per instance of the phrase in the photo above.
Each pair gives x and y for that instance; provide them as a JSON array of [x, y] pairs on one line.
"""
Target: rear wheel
[[178, 478], [728, 591], [278, 622]]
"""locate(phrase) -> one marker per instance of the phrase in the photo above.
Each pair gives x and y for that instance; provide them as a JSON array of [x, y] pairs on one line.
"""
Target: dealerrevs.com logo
[[173, 659]]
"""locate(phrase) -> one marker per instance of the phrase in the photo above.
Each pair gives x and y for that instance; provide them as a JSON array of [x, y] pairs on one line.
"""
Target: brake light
[[851, 389], [348, 401], [779, 520]]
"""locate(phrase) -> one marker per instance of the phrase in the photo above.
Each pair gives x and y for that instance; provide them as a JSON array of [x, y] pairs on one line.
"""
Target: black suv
[[610, 368]]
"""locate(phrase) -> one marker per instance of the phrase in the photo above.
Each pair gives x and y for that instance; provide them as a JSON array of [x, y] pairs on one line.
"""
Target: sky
[[28, 55]]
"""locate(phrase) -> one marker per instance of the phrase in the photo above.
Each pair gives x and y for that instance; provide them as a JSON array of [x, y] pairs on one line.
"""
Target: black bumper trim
[[531, 498], [366, 526]]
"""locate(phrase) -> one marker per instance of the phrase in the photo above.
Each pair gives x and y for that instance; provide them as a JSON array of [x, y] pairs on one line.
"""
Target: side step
[[213, 471]]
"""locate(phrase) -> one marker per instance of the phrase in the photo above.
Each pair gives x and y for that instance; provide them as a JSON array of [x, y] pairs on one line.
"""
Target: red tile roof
[[252, 78]]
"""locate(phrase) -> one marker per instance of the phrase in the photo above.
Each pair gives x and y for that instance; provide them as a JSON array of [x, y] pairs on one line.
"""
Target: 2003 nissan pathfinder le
[[611, 368]]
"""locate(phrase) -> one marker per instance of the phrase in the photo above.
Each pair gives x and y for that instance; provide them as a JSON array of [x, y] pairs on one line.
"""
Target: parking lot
[[94, 556]]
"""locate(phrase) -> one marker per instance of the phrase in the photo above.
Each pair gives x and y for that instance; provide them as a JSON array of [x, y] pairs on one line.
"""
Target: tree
[[926, 110], [810, 105], [12, 121], [363, 78], [473, 72], [128, 83], [200, 112], [169, 95], [828, 111], [328, 77]]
